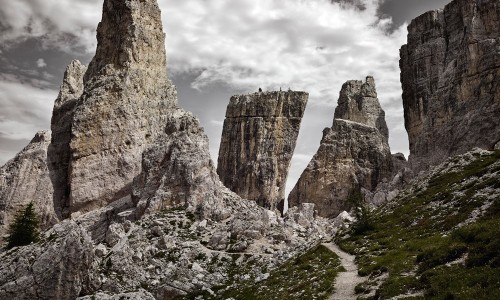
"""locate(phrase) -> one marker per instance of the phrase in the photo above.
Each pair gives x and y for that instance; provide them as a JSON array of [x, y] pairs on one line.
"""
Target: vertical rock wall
[[258, 140], [127, 95], [58, 156], [353, 156], [450, 73]]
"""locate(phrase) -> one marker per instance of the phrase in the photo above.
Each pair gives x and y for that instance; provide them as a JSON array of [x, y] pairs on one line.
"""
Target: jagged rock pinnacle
[[258, 140], [58, 156], [358, 103], [127, 95], [353, 155]]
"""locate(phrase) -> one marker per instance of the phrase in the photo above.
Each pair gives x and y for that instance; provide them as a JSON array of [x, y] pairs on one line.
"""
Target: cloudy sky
[[216, 48]]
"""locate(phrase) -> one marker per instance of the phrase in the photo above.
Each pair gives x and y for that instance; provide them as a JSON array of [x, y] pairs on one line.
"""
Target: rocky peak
[[72, 86], [353, 156], [258, 140], [58, 156], [449, 72], [123, 109], [358, 102], [130, 38]]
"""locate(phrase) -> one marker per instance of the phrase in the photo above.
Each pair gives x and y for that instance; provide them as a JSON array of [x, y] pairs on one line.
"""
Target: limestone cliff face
[[126, 97], [58, 156], [450, 72], [353, 155], [25, 179], [177, 171], [258, 140]]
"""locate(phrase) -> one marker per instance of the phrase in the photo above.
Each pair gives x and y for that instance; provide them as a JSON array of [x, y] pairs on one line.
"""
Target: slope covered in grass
[[309, 276], [440, 239]]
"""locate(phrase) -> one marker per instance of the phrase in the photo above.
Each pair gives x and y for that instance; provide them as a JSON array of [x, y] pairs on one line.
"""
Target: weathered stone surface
[[258, 140], [127, 94], [139, 295], [58, 269], [358, 102], [25, 179], [390, 187], [450, 73], [58, 156], [352, 155], [177, 170]]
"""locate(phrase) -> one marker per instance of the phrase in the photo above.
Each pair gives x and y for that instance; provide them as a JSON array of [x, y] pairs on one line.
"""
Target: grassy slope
[[416, 240], [309, 276]]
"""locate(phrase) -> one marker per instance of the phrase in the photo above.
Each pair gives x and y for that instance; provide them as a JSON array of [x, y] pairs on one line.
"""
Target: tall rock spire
[[126, 97], [58, 154], [353, 155], [258, 140], [358, 102]]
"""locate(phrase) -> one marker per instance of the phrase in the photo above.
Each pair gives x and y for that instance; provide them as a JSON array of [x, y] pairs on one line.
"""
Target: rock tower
[[123, 106], [353, 156], [450, 72], [258, 140]]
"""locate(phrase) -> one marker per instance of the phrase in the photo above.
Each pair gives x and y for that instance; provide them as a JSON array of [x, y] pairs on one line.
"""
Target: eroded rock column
[[353, 155], [258, 140], [127, 96]]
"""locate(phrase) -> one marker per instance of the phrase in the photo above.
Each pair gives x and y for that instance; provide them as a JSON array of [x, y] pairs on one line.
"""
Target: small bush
[[24, 230]]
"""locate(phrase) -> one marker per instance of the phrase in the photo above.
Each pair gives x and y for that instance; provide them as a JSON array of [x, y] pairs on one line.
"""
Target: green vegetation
[[24, 230], [363, 214], [309, 276], [418, 242]]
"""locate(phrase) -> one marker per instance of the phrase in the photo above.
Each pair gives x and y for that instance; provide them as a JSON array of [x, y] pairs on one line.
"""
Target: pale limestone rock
[[58, 156], [139, 295], [258, 139], [177, 171], [59, 269], [25, 179], [127, 94], [353, 155], [100, 250], [449, 74]]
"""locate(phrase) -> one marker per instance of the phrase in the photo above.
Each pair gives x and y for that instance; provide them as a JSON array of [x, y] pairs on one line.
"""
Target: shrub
[[362, 211], [24, 230]]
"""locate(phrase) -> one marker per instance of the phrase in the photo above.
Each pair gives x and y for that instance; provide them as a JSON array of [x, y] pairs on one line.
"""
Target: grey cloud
[[402, 11], [216, 49]]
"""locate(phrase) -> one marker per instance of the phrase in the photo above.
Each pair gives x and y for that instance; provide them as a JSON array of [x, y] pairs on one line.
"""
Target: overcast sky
[[215, 49]]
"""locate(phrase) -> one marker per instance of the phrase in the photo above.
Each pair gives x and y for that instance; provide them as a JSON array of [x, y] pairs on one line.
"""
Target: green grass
[[415, 239], [309, 276]]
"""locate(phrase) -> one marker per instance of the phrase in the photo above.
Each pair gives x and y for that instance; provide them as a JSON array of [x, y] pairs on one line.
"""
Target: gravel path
[[345, 281]]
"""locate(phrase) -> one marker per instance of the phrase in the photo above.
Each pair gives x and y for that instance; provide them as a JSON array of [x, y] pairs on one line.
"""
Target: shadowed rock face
[[58, 156], [353, 155], [258, 140], [123, 107], [450, 72], [25, 179]]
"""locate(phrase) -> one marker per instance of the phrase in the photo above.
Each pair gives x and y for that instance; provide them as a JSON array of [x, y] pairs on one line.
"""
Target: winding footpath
[[346, 281]]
